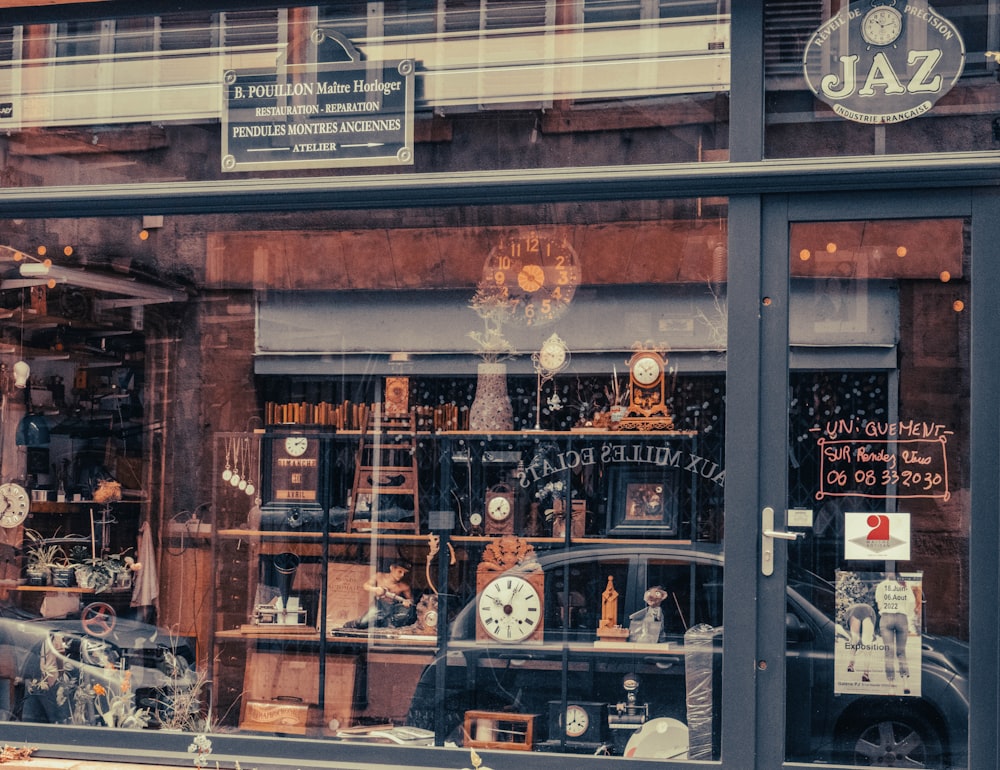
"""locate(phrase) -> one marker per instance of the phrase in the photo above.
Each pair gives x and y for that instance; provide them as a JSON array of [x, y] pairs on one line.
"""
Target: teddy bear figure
[[646, 625]]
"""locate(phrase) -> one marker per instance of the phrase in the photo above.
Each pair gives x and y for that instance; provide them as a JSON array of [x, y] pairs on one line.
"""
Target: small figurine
[[646, 625], [393, 604], [608, 627]]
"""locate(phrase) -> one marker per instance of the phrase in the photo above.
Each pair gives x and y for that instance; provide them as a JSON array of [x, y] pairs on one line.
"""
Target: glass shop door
[[870, 363]]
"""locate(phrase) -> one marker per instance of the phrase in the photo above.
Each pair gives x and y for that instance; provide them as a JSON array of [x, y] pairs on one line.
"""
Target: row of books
[[351, 416]]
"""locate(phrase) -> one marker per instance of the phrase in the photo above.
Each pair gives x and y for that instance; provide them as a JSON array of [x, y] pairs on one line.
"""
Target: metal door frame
[[770, 444]]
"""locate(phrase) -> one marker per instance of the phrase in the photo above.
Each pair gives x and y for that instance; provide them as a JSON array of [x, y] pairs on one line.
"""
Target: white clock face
[[646, 370], [14, 504], [881, 26], [577, 721], [510, 609], [475, 519], [552, 355], [498, 508], [296, 445]]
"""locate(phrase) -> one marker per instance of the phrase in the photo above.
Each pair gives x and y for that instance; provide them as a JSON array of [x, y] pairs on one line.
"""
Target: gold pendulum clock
[[647, 408]]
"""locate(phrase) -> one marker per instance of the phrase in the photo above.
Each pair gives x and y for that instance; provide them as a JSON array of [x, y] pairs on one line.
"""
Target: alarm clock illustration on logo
[[882, 25]]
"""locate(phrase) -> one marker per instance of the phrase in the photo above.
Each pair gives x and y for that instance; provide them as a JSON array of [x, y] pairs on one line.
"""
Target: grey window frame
[[759, 193]]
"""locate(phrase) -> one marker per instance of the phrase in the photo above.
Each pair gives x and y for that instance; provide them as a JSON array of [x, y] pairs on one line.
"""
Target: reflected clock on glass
[[537, 273]]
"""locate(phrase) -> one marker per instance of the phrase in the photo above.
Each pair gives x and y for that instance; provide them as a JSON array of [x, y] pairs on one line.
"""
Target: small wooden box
[[280, 717], [499, 730]]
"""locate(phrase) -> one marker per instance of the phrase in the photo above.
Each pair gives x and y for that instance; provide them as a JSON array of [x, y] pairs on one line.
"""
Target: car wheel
[[894, 738]]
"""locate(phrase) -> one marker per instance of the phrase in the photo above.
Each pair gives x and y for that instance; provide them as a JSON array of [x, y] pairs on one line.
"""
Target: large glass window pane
[[456, 473], [878, 609], [484, 85], [833, 88]]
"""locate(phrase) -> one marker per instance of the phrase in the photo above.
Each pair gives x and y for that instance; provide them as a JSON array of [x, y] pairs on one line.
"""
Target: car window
[[573, 594], [694, 593]]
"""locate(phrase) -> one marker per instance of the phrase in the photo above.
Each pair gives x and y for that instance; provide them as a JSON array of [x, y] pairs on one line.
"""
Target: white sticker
[[877, 536]]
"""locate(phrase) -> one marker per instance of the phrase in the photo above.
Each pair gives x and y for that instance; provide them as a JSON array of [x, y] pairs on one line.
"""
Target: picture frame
[[643, 501]]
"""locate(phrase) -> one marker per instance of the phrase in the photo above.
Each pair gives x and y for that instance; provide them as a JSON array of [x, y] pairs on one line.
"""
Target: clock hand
[[495, 599]]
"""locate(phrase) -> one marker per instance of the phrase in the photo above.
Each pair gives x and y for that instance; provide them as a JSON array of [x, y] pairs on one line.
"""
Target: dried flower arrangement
[[494, 307], [107, 492]]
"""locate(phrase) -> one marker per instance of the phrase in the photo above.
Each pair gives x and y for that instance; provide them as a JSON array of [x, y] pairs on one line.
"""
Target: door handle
[[767, 537]]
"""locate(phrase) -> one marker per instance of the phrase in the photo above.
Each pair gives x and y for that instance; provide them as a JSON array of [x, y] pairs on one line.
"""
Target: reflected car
[[95, 669], [613, 683]]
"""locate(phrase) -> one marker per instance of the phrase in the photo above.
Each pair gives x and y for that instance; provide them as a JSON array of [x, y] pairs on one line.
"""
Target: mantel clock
[[500, 509], [510, 593], [583, 724], [647, 408]]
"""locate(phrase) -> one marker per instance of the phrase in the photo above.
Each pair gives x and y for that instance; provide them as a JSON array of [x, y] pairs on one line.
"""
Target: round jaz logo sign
[[884, 61]]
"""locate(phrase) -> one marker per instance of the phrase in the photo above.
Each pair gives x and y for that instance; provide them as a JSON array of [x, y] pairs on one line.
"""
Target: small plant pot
[[37, 576], [84, 577], [63, 577]]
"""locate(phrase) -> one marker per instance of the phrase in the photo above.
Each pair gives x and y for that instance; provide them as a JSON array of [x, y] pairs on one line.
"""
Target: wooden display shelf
[[571, 432], [264, 633], [348, 537], [270, 534], [72, 589], [70, 506], [525, 433]]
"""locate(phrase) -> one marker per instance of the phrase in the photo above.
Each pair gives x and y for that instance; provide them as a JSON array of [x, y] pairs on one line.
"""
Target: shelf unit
[[454, 470]]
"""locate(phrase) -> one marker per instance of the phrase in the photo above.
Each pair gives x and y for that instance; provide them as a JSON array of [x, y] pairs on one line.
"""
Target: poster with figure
[[878, 647]]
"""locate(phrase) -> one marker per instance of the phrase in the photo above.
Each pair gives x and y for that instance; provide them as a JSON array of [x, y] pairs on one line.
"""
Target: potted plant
[[121, 568], [617, 396], [63, 573], [40, 556], [94, 575]]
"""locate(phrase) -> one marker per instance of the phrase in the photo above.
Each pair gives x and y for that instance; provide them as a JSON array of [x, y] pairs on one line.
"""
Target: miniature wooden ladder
[[385, 468]]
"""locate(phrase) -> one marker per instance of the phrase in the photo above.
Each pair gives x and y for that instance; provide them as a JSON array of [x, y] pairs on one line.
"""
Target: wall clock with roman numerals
[[510, 593]]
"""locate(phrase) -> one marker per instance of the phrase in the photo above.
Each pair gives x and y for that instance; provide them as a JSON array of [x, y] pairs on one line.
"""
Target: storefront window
[[462, 480], [367, 380], [924, 82]]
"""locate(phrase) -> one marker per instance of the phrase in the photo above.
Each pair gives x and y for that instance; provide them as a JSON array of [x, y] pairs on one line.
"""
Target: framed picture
[[643, 501]]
